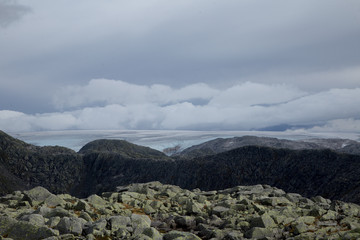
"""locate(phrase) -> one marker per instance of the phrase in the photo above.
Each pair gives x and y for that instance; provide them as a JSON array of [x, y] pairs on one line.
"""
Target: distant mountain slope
[[123, 148], [225, 144]]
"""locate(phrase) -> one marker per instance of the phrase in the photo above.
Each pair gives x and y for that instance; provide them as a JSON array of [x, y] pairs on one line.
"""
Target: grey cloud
[[313, 46], [234, 108], [11, 11], [104, 92]]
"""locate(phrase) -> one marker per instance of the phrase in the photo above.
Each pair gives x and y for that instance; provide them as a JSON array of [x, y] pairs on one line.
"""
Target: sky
[[182, 64]]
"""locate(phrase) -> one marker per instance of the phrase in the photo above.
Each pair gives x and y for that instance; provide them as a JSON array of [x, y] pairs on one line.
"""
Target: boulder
[[185, 222], [26, 230], [35, 219], [53, 221], [152, 233], [177, 235], [96, 200], [81, 205], [6, 224], [220, 211], [300, 228], [53, 201], [117, 222], [264, 221], [58, 211], [97, 228], [70, 225], [234, 236], [139, 223], [36, 195], [259, 233]]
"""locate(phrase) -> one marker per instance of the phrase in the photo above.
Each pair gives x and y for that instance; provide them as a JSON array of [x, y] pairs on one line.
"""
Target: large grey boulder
[[152, 233], [36, 195], [220, 211], [117, 222], [70, 225], [96, 200], [58, 211], [139, 223], [25, 230], [35, 219], [52, 222], [5, 224], [177, 235], [259, 233], [97, 228], [264, 221], [53, 201]]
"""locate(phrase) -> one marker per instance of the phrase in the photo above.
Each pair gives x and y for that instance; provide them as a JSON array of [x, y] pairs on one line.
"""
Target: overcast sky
[[182, 64]]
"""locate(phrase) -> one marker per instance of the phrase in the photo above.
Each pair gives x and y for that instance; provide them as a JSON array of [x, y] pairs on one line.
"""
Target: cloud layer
[[111, 104], [310, 44], [11, 11]]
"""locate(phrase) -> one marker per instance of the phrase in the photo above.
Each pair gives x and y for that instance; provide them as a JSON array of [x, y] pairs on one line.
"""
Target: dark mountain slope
[[225, 144], [123, 148], [110, 163], [308, 172], [24, 166]]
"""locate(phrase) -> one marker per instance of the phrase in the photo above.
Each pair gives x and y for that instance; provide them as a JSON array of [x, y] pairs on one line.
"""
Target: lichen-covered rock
[[37, 195], [220, 211], [25, 230], [300, 228], [58, 211], [96, 200], [139, 223], [53, 201], [70, 225], [35, 219], [259, 233], [117, 222], [97, 228], [5, 224], [177, 235], [53, 221], [264, 221], [152, 233]]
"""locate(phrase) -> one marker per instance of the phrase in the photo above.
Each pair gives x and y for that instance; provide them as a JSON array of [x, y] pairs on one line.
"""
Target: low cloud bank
[[11, 11], [110, 104]]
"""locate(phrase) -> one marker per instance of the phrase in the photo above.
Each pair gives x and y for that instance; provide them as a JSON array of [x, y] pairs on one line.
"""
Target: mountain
[[102, 165], [25, 165], [123, 148], [225, 144]]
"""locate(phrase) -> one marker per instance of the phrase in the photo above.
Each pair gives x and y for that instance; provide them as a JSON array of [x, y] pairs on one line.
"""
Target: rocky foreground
[[156, 211]]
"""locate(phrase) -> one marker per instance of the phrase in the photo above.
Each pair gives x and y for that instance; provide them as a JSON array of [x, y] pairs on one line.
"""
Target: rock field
[[157, 211]]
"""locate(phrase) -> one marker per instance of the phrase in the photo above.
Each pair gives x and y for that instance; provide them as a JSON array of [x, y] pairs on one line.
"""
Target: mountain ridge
[[224, 144]]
